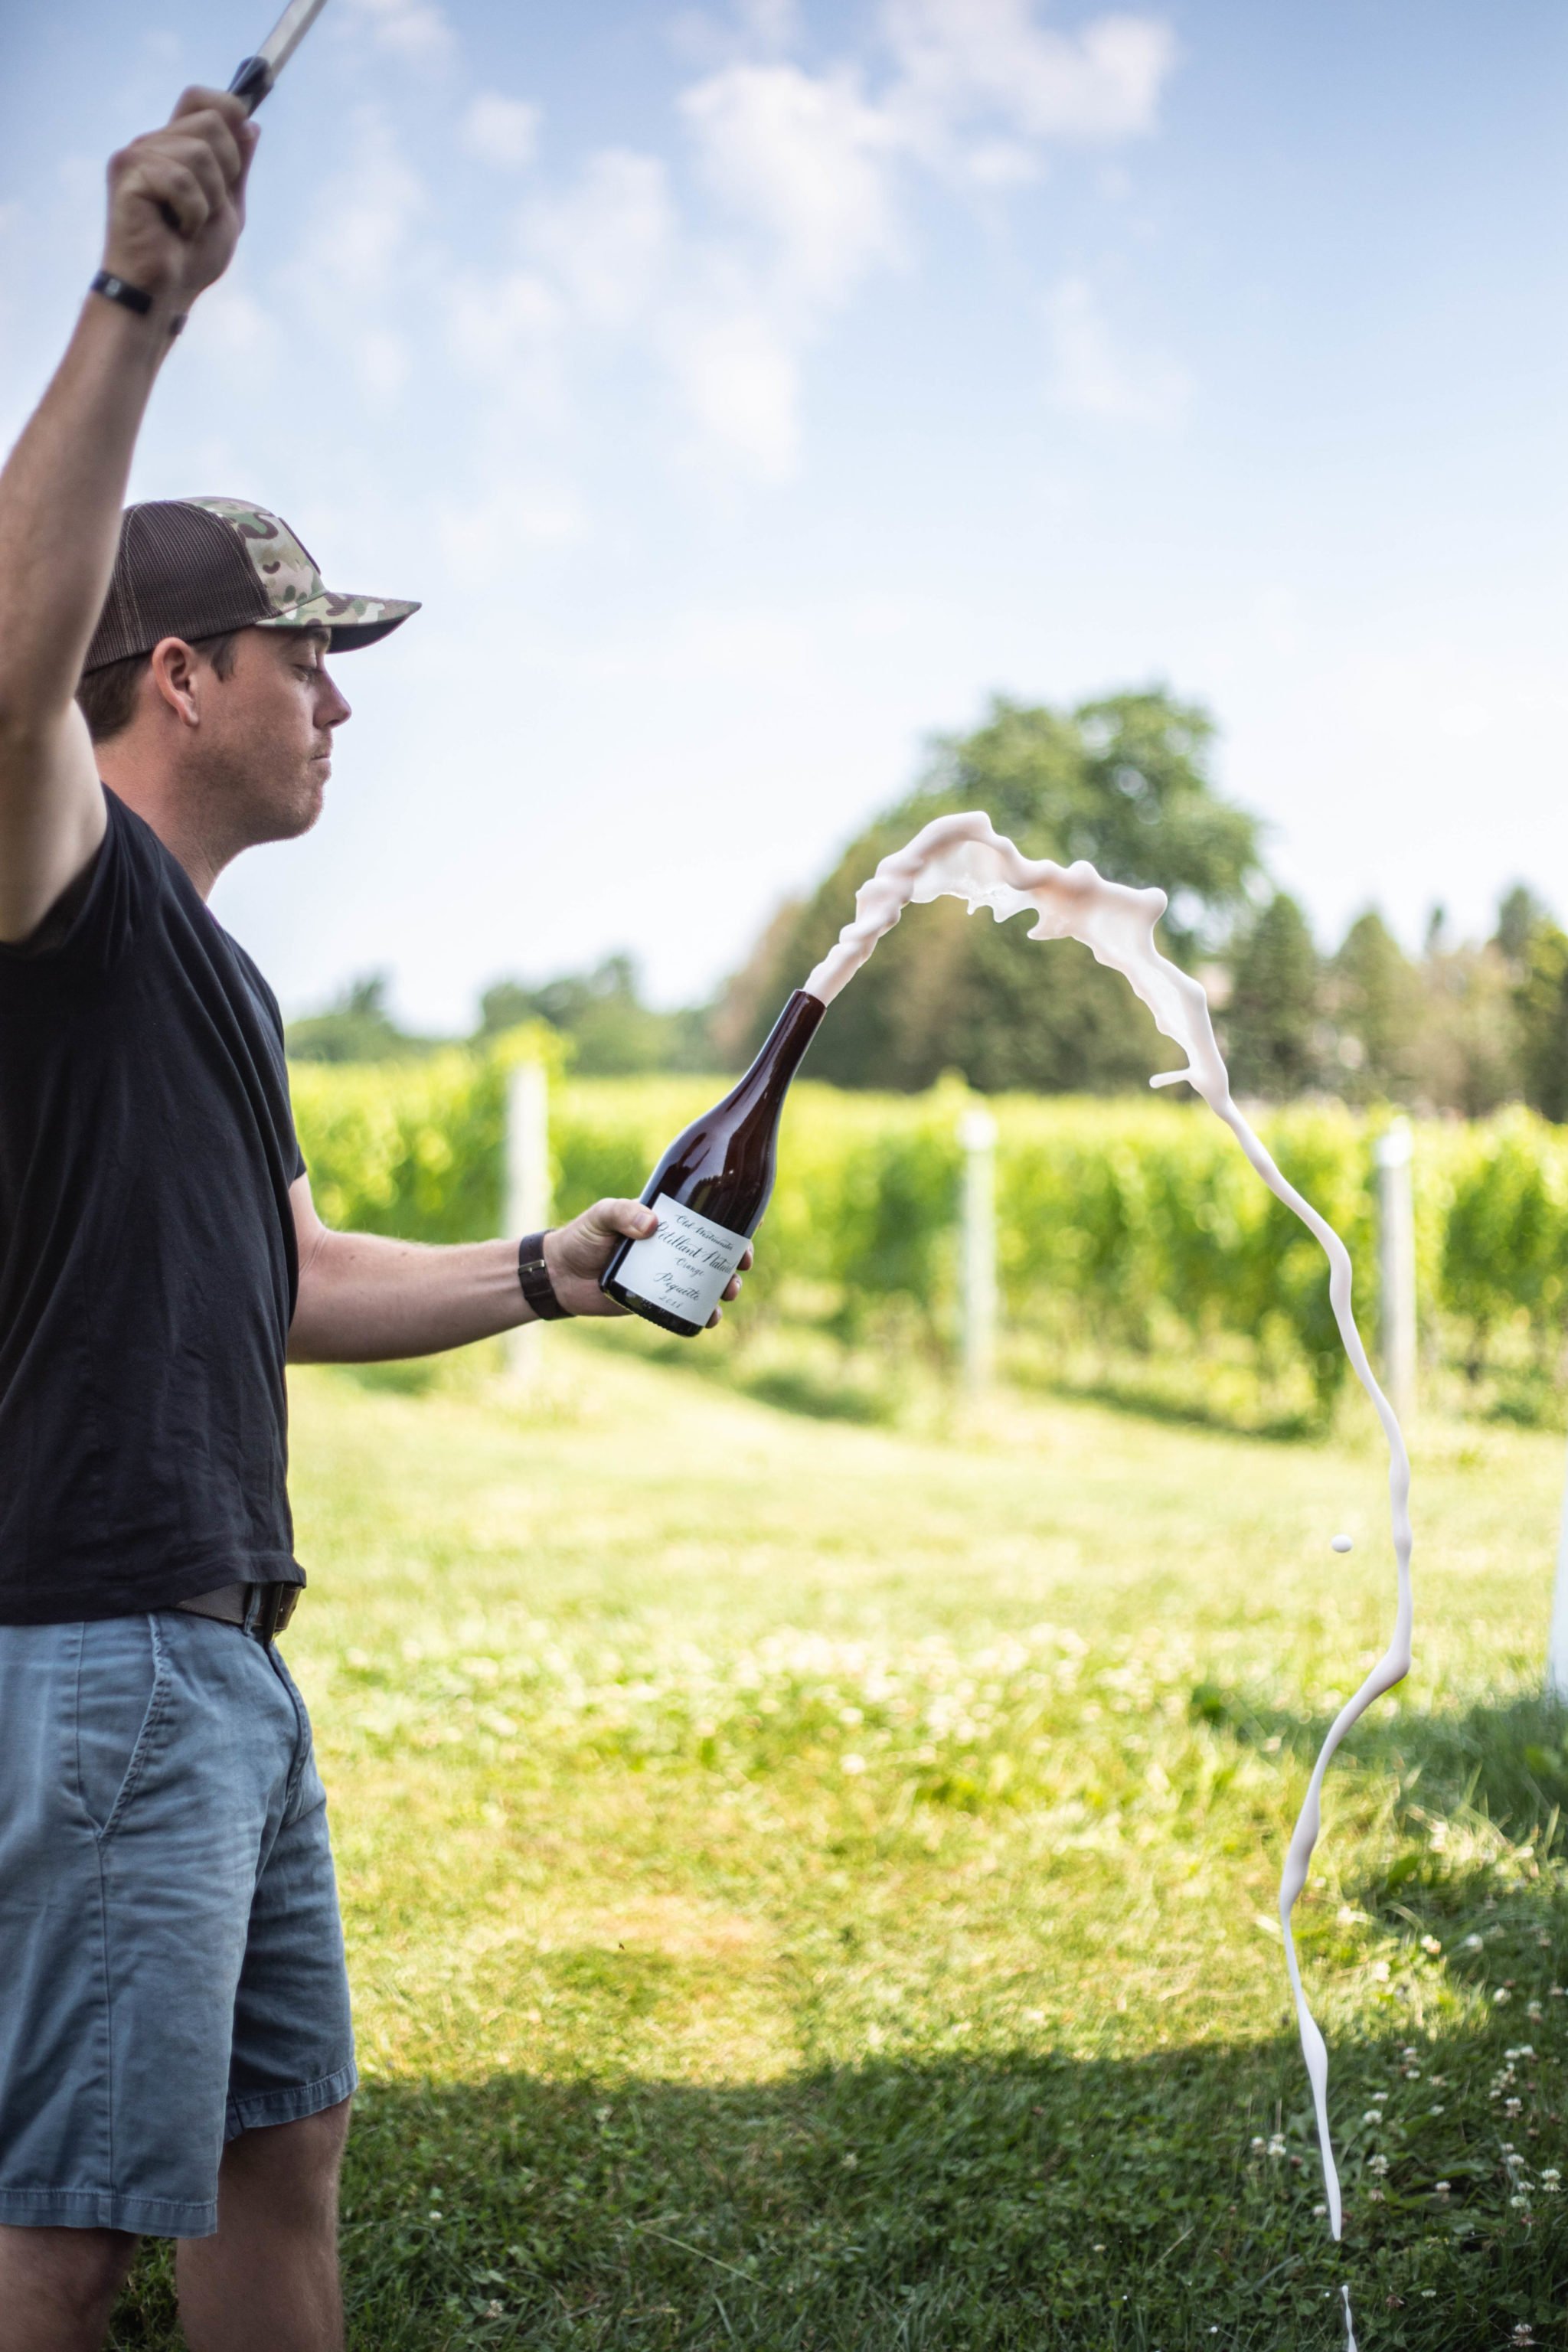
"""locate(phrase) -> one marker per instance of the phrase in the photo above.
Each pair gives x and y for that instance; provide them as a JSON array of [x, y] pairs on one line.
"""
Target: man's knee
[[76, 2273], [294, 2167]]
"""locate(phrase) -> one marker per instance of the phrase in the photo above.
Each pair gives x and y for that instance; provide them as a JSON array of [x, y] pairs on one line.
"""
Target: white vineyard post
[[977, 1134], [1557, 1640], [1396, 1257], [527, 1191]]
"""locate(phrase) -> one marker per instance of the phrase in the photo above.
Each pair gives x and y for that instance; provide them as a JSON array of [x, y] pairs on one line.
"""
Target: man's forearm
[[365, 1300]]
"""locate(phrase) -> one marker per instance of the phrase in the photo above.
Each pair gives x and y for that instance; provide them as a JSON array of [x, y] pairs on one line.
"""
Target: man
[[175, 2051]]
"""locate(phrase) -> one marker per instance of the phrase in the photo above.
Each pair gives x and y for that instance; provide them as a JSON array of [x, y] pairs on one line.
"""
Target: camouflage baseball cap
[[197, 568]]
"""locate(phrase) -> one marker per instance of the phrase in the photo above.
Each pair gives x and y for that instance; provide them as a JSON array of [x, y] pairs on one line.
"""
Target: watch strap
[[533, 1276], [130, 297]]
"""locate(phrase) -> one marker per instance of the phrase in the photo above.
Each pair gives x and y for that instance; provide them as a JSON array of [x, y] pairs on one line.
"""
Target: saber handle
[[252, 83]]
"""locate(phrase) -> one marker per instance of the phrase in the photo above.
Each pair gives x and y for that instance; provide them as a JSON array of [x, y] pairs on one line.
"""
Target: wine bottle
[[709, 1190]]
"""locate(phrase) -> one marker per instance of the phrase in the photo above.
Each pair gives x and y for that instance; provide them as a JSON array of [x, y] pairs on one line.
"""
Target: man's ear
[[174, 665]]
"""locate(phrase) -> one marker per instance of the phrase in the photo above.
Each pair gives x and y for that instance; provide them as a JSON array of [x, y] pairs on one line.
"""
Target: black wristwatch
[[534, 1276]]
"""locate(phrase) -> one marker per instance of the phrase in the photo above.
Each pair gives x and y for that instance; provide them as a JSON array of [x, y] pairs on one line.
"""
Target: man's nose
[[338, 707]]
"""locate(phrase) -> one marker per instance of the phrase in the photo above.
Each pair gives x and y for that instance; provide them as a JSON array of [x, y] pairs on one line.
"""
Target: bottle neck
[[783, 1052]]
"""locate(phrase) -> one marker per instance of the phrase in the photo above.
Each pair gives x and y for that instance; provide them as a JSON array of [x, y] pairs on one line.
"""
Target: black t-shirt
[[148, 1267]]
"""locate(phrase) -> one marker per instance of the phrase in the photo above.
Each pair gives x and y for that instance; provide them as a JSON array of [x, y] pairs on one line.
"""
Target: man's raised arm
[[176, 206]]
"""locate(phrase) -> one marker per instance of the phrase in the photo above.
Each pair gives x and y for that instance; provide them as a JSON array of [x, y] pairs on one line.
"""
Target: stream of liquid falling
[[966, 857]]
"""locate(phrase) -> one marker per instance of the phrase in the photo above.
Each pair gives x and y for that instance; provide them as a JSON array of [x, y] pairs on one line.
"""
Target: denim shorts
[[171, 1956]]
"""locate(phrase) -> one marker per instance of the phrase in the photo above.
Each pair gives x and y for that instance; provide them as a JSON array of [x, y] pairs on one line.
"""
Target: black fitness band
[[534, 1276], [129, 297]]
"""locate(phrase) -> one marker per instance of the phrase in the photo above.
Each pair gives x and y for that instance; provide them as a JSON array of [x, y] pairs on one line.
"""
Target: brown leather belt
[[260, 1610]]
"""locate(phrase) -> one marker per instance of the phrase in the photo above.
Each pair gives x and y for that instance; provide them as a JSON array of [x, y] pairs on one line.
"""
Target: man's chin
[[287, 820]]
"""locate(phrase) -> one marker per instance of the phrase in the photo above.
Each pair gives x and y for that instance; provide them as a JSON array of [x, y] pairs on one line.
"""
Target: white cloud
[[482, 543], [607, 242], [740, 383], [416, 30], [792, 197], [500, 323], [770, 24], [501, 130], [361, 282], [965, 60], [1092, 378], [234, 324], [803, 157]]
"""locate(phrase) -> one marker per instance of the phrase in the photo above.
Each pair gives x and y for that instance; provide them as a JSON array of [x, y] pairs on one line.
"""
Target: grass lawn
[[811, 1885]]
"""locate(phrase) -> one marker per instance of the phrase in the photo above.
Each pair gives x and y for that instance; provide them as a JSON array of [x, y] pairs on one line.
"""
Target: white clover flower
[[1550, 2172], [1519, 2204], [1442, 2187], [1378, 2164], [1319, 2211], [1471, 1944], [1534, 2012], [1257, 2146], [1430, 1944], [1500, 1995], [1513, 2107], [1373, 2116]]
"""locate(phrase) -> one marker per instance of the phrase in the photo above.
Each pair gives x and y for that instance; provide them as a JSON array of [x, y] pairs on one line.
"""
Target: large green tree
[[358, 1028], [1123, 782]]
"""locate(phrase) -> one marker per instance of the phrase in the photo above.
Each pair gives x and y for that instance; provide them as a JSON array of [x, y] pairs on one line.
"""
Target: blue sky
[[751, 390]]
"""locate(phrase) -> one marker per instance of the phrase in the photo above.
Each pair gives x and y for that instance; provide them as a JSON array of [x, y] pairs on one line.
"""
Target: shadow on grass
[[1021, 2201], [1506, 1760]]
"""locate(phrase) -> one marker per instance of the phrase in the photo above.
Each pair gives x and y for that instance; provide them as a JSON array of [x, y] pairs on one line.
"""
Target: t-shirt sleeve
[[70, 958], [275, 1019]]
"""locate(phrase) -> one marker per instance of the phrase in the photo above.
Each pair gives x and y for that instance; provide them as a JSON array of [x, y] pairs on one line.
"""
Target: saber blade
[[288, 32]]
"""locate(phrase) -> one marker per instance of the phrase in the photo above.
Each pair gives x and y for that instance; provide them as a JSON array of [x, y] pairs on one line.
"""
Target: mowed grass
[[811, 1885]]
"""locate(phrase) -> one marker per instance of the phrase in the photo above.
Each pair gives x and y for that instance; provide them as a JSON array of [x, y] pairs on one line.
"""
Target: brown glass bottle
[[711, 1189]]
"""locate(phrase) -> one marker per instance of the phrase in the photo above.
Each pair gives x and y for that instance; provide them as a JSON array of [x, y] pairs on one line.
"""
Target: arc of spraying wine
[[966, 857]]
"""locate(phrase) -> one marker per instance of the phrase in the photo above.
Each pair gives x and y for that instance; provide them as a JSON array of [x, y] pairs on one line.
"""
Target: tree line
[[1124, 780]]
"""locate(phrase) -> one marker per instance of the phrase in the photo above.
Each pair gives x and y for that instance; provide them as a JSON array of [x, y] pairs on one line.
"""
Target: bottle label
[[686, 1266]]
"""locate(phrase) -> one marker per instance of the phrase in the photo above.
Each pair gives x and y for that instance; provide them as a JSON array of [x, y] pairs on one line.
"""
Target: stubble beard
[[266, 802]]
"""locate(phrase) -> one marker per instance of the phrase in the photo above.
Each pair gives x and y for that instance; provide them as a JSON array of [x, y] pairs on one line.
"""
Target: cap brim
[[350, 620]]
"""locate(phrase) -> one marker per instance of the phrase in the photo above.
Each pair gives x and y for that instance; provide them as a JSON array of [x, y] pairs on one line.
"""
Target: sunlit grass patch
[[814, 1885]]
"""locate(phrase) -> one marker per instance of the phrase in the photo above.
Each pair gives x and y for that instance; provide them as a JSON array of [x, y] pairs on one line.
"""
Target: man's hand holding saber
[[192, 174], [176, 207]]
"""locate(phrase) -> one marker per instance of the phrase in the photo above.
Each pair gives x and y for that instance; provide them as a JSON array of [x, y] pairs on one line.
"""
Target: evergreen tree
[[1541, 1002], [1272, 1019], [1373, 995]]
